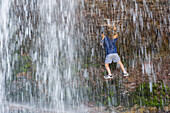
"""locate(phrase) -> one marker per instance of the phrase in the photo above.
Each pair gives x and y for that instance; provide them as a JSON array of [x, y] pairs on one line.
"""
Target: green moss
[[85, 65], [111, 93], [96, 65], [108, 99], [150, 99]]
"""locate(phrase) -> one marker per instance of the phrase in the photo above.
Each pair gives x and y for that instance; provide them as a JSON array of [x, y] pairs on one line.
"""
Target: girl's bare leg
[[107, 68], [121, 65]]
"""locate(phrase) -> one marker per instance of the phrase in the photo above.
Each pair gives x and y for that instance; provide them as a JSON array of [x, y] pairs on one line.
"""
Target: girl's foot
[[125, 74], [108, 76]]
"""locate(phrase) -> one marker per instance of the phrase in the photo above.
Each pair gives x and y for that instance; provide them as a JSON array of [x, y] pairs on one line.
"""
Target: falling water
[[5, 66], [39, 56]]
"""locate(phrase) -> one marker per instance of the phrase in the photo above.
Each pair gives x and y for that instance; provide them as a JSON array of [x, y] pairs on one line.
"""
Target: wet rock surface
[[143, 46]]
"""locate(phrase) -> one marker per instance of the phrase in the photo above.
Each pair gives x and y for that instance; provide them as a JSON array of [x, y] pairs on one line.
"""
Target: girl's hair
[[109, 32]]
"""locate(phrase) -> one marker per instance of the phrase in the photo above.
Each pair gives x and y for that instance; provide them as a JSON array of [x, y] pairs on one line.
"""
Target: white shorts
[[112, 57]]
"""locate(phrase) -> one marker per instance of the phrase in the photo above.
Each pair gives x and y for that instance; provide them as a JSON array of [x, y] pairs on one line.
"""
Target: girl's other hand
[[103, 36]]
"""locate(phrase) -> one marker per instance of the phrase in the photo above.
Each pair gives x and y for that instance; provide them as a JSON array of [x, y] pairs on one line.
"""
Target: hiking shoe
[[108, 76], [125, 74]]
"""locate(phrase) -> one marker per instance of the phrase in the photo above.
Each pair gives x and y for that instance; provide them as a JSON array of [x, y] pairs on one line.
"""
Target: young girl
[[111, 52]]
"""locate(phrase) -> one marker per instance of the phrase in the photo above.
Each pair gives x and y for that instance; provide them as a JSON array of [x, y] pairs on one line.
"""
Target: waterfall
[[39, 55], [4, 53]]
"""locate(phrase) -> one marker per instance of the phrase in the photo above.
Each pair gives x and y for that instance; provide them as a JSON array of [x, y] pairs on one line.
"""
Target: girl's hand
[[114, 28], [115, 36], [103, 36]]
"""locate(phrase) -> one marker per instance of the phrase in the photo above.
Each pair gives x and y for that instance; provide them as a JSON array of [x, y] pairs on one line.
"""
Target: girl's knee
[[106, 64], [119, 62]]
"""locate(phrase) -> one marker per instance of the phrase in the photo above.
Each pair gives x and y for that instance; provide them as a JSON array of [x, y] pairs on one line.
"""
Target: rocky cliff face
[[143, 45]]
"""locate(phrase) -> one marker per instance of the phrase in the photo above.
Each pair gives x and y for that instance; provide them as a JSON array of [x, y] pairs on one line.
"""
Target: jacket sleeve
[[115, 39], [102, 41]]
